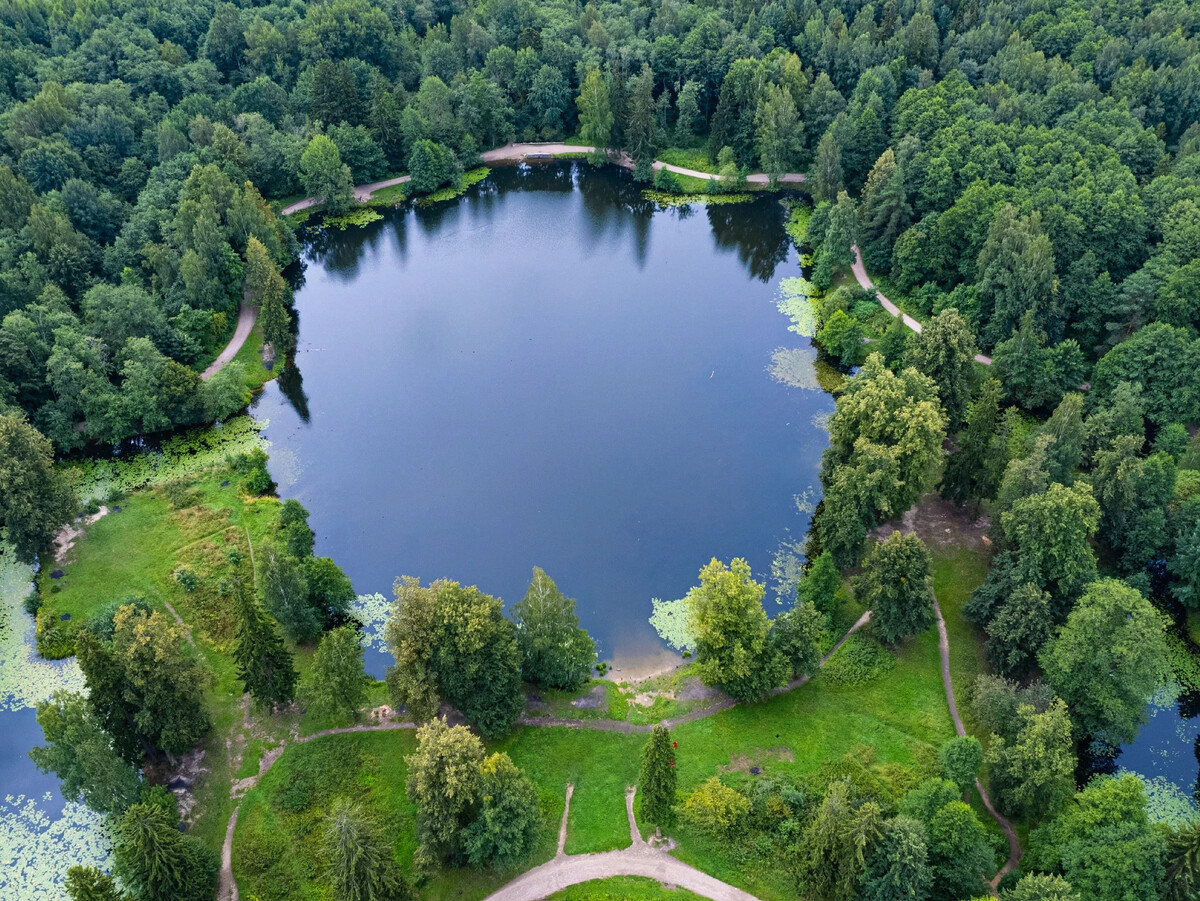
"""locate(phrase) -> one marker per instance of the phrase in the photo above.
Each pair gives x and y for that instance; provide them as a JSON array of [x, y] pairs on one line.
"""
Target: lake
[[553, 372]]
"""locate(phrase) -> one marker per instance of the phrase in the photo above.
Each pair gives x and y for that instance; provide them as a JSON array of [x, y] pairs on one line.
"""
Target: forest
[[1023, 178]]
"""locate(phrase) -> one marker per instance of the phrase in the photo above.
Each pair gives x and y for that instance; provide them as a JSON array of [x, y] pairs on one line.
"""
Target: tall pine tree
[[264, 664], [657, 779]]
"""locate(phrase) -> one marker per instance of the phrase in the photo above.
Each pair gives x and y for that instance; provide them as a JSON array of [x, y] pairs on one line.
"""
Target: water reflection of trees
[[291, 386], [755, 231], [613, 204]]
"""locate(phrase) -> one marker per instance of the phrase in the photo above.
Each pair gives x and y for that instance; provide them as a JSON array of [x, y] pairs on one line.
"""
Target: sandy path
[[639, 859], [1014, 844], [362, 193], [247, 316], [860, 274], [228, 891]]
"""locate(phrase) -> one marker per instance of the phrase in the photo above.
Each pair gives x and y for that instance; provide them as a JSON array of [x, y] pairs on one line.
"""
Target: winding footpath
[[864, 280], [247, 316], [537, 151], [1014, 844], [648, 859]]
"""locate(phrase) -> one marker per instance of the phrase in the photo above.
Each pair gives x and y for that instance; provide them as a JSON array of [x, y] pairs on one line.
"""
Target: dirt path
[[228, 891], [509, 152], [1014, 844], [649, 859], [247, 316], [860, 274]]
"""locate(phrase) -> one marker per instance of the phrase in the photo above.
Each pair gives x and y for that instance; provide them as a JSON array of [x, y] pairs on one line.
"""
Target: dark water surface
[[550, 372]]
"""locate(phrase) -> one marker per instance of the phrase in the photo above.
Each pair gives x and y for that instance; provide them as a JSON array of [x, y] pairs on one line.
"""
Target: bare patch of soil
[[940, 523], [72, 532]]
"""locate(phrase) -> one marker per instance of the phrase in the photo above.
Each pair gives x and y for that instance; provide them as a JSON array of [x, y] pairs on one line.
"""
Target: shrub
[[716, 810], [665, 180], [859, 661], [187, 579], [33, 603]]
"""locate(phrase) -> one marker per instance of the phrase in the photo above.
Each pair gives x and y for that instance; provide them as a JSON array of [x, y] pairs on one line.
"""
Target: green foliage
[[336, 684], [325, 176], [262, 661], [90, 884], [1033, 774], [361, 867], [716, 809], [1108, 660], [82, 755], [504, 831], [945, 351], [895, 587], [35, 498], [443, 783], [796, 635], [975, 468], [885, 439], [860, 661], [657, 779], [729, 624], [1041, 887], [1103, 843], [454, 643], [897, 866], [959, 760], [555, 651], [821, 584], [153, 859]]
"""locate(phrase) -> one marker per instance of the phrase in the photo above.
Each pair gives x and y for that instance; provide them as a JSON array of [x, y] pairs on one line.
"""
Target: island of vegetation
[[1001, 574]]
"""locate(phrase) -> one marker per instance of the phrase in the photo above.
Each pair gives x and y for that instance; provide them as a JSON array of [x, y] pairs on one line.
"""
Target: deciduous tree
[[506, 826], [1108, 660], [555, 651], [895, 587], [35, 498], [336, 684]]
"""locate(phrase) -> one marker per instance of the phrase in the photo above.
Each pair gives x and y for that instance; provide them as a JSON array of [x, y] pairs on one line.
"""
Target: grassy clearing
[[688, 158], [623, 888], [956, 573], [391, 195], [250, 356]]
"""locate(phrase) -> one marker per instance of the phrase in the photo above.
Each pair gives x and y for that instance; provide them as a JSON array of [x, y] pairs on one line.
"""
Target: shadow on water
[[1168, 744]]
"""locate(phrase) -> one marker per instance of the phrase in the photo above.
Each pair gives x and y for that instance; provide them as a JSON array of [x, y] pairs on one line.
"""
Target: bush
[[100, 623], [257, 481], [187, 579], [665, 180], [860, 660], [716, 810], [33, 603], [178, 494]]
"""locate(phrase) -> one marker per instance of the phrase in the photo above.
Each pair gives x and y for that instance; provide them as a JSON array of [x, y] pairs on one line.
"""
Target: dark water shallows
[[548, 372]]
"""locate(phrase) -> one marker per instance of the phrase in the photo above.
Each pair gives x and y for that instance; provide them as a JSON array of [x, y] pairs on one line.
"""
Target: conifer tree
[[154, 860], [361, 866], [974, 470], [639, 135], [657, 779], [90, 884], [263, 661]]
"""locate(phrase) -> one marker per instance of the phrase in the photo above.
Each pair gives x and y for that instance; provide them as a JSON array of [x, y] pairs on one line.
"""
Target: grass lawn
[[623, 888], [956, 573], [391, 194], [250, 356], [687, 158]]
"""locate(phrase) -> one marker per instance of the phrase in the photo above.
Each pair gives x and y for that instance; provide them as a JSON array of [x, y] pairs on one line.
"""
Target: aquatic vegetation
[[36, 850], [177, 456], [354, 219], [787, 568], [793, 302], [797, 224], [469, 178], [795, 367], [373, 611], [670, 621], [1166, 802], [666, 199], [25, 678]]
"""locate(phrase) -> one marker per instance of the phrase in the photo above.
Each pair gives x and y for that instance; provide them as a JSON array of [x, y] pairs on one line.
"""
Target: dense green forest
[[1022, 177], [1058, 140]]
